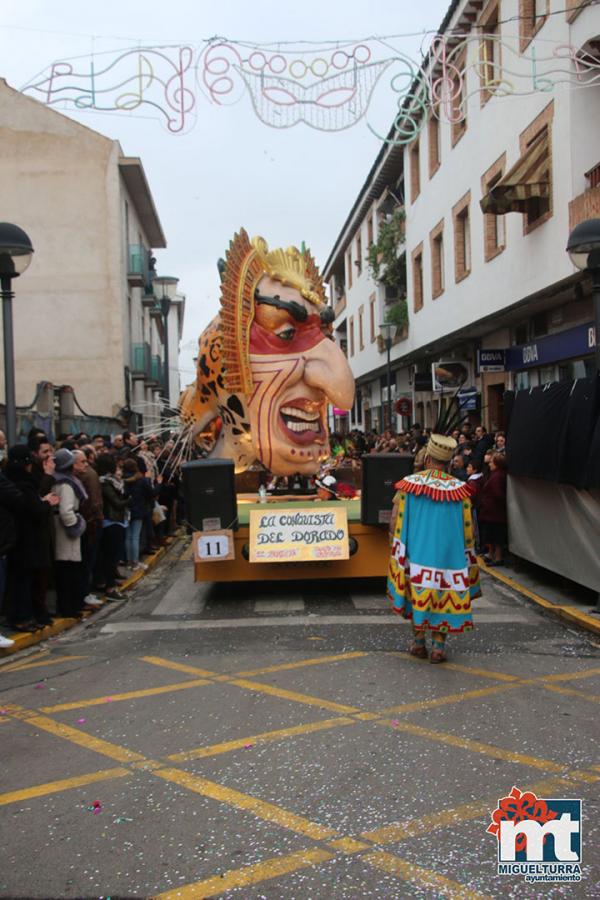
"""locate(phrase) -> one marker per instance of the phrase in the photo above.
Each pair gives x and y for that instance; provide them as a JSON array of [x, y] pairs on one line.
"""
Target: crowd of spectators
[[78, 517], [480, 460]]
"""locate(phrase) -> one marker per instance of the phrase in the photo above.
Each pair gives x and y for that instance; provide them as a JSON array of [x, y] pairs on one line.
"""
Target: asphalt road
[[277, 742]]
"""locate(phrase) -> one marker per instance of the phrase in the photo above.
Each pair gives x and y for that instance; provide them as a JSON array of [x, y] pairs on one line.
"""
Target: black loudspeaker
[[209, 491], [380, 473]]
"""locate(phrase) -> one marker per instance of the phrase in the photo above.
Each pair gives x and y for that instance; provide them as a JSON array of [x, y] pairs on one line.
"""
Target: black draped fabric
[[583, 410], [554, 433], [509, 402], [592, 470]]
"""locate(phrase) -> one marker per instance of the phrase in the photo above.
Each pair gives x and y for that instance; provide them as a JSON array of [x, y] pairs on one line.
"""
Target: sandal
[[437, 656], [418, 650]]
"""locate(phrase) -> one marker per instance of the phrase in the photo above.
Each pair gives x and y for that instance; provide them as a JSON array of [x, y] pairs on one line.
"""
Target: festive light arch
[[323, 86]]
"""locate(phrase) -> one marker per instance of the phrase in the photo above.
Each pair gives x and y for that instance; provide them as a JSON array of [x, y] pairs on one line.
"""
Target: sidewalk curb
[[569, 613], [29, 639]]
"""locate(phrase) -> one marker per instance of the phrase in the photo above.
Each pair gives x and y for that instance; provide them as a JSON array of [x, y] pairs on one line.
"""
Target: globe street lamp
[[167, 286], [388, 329], [15, 256], [584, 249]]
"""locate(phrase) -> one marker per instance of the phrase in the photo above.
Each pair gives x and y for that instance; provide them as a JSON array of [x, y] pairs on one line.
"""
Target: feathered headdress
[[245, 264]]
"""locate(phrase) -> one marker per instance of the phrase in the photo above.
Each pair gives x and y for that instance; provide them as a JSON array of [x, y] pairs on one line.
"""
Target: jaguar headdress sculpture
[[267, 365]]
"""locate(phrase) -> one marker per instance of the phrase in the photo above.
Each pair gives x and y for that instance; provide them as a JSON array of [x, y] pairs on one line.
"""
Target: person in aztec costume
[[433, 573]]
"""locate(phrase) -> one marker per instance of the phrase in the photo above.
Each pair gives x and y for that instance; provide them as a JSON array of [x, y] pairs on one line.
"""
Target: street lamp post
[[15, 256], [584, 249], [167, 284], [387, 328]]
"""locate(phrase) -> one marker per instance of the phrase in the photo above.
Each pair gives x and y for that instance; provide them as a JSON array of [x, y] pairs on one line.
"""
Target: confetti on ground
[[81, 721], [96, 807], [40, 685], [108, 699], [248, 746], [120, 819], [3, 712], [395, 723]]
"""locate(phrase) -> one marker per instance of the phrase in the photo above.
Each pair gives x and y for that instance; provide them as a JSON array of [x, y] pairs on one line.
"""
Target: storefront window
[[578, 368], [547, 374], [522, 381]]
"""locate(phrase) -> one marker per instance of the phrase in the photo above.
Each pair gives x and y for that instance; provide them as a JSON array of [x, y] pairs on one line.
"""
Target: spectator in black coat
[[43, 469], [26, 553], [483, 442], [139, 490], [11, 505]]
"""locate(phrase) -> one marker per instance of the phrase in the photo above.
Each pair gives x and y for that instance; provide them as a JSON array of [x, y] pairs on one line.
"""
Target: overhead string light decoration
[[324, 86]]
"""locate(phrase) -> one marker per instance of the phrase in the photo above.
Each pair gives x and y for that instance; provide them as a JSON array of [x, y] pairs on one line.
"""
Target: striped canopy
[[527, 180]]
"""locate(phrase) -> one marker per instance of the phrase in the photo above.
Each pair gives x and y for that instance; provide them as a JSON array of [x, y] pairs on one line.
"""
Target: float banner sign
[[299, 534]]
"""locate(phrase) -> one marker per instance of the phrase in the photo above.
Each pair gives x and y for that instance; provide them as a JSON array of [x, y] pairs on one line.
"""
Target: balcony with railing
[[156, 370], [340, 305], [138, 265], [141, 361], [586, 205]]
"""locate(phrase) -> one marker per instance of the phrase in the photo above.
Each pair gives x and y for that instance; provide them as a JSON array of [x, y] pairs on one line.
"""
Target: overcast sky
[[230, 170]]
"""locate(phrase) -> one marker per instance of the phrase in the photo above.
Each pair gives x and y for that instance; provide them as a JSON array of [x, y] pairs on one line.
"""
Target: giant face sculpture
[[267, 367]]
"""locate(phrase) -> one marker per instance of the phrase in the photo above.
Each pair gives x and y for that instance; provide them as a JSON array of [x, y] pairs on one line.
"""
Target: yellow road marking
[[265, 737], [88, 741], [424, 879], [178, 667], [449, 698], [348, 845], [570, 676], [469, 670], [248, 875], [44, 662], [23, 662], [476, 746], [262, 810], [64, 784], [147, 765], [317, 661], [483, 673], [128, 695], [581, 776], [571, 613], [521, 589], [399, 831], [292, 695], [572, 692]]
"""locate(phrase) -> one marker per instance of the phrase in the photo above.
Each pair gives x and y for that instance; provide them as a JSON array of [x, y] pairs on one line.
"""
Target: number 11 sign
[[213, 546]]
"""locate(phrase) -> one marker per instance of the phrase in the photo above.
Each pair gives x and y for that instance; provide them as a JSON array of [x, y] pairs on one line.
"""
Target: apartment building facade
[[488, 193], [85, 314]]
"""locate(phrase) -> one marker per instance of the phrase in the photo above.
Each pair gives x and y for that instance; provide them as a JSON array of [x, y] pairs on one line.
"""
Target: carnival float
[[260, 500]]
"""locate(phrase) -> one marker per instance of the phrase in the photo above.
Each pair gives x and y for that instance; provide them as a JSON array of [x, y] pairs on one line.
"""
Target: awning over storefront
[[527, 180]]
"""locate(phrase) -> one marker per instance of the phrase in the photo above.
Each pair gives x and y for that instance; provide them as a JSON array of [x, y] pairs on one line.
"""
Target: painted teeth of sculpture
[[303, 426], [300, 414]]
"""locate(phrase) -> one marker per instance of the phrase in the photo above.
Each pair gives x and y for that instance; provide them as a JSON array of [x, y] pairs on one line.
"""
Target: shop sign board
[[491, 360], [569, 344], [404, 406], [467, 399], [447, 375], [299, 534]]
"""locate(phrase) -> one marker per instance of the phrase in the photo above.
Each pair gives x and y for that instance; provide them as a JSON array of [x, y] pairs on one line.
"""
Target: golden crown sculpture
[[246, 262]]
